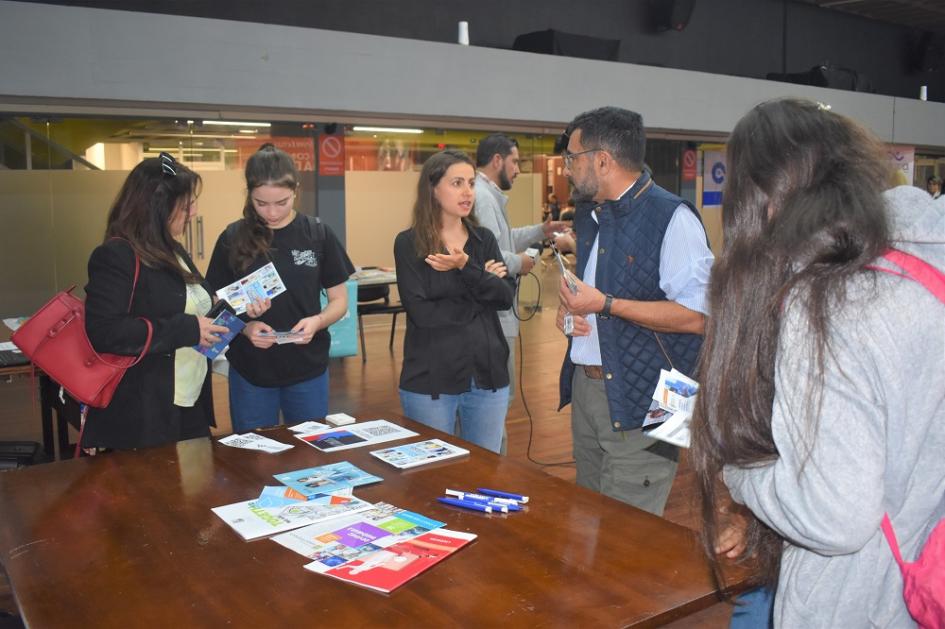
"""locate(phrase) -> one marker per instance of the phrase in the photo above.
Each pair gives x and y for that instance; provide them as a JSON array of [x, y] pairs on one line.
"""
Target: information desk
[[128, 540]]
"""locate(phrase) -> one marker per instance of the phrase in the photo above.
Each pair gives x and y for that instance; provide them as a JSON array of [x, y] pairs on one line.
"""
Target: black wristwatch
[[608, 302]]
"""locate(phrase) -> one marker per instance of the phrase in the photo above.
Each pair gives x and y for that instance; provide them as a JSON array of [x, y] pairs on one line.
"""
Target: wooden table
[[128, 539]]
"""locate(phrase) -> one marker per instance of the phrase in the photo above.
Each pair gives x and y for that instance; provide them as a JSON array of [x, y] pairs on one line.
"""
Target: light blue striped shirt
[[685, 265]]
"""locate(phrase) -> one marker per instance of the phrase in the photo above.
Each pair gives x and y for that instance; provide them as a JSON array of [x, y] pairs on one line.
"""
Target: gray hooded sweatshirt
[[878, 445], [492, 214]]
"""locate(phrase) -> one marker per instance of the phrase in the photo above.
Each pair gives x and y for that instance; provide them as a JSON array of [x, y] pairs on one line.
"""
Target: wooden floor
[[538, 433]]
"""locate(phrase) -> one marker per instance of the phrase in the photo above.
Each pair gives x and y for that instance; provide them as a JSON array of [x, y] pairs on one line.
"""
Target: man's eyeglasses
[[168, 164], [569, 157]]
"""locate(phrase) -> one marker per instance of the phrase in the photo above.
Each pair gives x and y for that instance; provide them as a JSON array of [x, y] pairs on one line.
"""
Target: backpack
[[923, 581]]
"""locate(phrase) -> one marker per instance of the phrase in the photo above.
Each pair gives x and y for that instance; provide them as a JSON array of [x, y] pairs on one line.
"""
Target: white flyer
[[674, 430], [252, 441], [262, 283], [309, 426], [670, 413]]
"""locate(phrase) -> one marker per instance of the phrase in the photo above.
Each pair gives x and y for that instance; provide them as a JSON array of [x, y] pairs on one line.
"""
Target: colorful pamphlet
[[281, 496], [263, 283], [235, 326], [336, 542], [356, 435], [326, 479], [420, 453], [386, 569], [252, 521]]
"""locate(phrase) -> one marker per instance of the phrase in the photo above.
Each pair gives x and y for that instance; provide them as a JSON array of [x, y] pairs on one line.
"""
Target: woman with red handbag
[[144, 287]]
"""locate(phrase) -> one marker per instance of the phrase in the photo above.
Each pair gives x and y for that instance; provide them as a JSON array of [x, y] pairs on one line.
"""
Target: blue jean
[[254, 407], [481, 413], [753, 610]]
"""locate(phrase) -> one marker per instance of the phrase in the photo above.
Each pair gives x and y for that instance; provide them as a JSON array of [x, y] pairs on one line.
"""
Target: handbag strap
[[134, 286]]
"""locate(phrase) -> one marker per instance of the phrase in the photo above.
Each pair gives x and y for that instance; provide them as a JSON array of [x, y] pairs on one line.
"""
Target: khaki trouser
[[625, 465]]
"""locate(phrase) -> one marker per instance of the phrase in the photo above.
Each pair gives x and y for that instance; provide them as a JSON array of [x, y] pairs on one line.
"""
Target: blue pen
[[465, 495], [474, 506], [502, 494], [510, 505]]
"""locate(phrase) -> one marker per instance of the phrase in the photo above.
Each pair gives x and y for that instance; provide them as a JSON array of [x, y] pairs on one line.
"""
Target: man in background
[[934, 186], [497, 163], [637, 306]]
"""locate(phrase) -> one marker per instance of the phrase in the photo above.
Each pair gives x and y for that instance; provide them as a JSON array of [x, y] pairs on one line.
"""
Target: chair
[[370, 303]]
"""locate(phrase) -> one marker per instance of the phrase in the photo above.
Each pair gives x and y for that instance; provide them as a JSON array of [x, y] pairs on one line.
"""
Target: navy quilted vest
[[628, 262]]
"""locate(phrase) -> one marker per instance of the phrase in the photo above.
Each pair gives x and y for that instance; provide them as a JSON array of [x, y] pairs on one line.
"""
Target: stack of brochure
[[381, 548], [315, 494]]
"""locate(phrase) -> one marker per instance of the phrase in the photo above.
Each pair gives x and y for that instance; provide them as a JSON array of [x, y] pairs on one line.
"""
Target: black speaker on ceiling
[[671, 14], [927, 53]]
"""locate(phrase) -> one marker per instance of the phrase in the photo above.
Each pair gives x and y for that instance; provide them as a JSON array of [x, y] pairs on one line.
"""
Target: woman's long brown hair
[[426, 210], [142, 211], [802, 212], [267, 166]]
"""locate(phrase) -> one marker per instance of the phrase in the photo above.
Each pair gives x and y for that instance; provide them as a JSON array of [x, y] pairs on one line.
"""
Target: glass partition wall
[[59, 176]]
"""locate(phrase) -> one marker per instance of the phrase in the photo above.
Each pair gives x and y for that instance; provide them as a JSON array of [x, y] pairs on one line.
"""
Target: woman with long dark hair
[[265, 377], [166, 397], [449, 274], [822, 403]]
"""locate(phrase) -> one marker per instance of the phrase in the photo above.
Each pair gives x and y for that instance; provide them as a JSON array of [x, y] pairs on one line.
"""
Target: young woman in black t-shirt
[[449, 274], [266, 377]]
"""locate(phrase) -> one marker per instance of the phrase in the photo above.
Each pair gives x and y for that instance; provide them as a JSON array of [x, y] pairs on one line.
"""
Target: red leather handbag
[[54, 339]]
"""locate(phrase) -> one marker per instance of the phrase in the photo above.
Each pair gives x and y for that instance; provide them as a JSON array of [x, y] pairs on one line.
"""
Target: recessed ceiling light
[[387, 130], [230, 123]]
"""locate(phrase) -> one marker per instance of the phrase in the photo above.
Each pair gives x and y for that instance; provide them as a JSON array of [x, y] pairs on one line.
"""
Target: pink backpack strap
[[891, 538], [915, 269]]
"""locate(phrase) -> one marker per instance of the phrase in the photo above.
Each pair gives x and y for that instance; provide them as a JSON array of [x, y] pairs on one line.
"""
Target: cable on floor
[[521, 378]]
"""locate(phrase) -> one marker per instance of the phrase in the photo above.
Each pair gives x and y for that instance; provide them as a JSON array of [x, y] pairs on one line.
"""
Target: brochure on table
[[336, 542], [670, 413], [386, 569], [252, 521], [420, 453], [356, 435], [326, 479], [380, 549], [263, 283], [253, 441], [281, 496]]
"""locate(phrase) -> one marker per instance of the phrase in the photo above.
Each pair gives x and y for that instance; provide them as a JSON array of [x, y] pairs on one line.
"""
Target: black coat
[[141, 413]]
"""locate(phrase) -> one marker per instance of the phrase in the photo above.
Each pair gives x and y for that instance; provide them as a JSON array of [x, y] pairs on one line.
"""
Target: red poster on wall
[[689, 160], [302, 150], [331, 155]]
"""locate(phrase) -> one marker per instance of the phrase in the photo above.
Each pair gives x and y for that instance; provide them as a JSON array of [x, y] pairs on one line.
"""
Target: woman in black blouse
[[449, 274]]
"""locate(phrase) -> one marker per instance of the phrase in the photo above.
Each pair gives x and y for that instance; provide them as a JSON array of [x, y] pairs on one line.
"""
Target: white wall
[[146, 62]]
